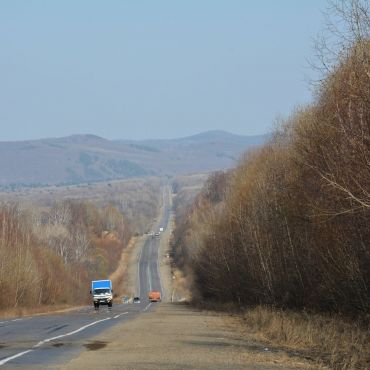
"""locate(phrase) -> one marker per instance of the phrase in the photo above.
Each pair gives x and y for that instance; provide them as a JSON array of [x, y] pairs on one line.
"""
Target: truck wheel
[[96, 306], [110, 304]]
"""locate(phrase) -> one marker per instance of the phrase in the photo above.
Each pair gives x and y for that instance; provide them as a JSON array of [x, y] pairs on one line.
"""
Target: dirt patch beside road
[[123, 279]]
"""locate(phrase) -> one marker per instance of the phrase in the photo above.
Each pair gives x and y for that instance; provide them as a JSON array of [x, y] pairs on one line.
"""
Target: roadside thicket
[[290, 226], [286, 235], [48, 258]]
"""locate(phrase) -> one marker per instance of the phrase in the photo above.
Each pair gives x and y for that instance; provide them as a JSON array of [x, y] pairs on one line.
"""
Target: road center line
[[5, 360], [70, 333], [117, 316], [147, 307], [149, 277]]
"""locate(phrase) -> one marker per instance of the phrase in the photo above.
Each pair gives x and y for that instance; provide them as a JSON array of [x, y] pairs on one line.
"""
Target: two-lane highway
[[148, 266], [50, 340]]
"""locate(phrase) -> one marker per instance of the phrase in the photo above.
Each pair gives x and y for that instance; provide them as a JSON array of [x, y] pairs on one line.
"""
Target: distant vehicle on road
[[102, 292], [125, 299], [136, 300], [154, 296], [157, 234]]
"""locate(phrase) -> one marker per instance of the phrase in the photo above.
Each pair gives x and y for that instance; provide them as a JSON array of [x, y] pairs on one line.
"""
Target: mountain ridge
[[85, 158]]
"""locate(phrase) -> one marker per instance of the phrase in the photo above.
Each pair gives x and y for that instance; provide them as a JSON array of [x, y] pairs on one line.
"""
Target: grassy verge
[[330, 341]]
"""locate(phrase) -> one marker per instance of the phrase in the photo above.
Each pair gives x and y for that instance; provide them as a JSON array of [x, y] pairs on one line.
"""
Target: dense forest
[[289, 227]]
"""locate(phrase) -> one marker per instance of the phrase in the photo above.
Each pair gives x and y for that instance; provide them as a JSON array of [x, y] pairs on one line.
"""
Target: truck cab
[[154, 296], [102, 293]]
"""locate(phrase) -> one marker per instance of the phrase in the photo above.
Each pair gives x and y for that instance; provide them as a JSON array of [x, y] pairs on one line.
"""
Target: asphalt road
[[48, 341]]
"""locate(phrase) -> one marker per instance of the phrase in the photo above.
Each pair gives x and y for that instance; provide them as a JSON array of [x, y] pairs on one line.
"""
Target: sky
[[140, 69]]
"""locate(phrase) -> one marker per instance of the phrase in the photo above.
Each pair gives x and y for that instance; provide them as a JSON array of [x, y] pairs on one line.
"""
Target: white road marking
[[149, 278], [13, 320], [147, 307], [70, 333], [117, 316], [5, 360]]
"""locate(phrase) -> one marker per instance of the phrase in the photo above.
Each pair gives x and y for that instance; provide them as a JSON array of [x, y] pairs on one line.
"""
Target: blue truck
[[102, 292]]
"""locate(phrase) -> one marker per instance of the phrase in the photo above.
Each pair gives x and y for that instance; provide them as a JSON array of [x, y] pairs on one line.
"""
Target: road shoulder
[[175, 336]]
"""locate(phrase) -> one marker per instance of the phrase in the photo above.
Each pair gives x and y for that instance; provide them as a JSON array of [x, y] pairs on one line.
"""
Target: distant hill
[[88, 158]]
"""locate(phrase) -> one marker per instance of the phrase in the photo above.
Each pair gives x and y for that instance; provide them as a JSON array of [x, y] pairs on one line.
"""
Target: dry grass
[[181, 286], [328, 340], [120, 277]]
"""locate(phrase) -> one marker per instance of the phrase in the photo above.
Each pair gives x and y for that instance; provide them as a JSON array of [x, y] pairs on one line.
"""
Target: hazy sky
[[152, 69]]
